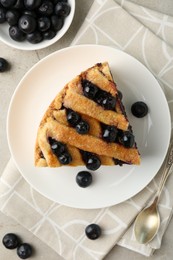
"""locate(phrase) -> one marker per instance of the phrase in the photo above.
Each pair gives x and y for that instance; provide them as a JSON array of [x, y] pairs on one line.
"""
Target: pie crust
[[55, 125]]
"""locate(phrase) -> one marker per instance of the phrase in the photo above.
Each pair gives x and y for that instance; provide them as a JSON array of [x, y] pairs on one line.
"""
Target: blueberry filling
[[105, 100], [89, 89], [41, 155], [119, 162], [120, 95], [109, 133], [91, 160], [60, 150], [65, 158], [57, 147], [82, 127], [127, 139], [101, 97], [74, 119]]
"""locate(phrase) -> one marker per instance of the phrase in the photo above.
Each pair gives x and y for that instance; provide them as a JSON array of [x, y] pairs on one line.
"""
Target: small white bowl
[[25, 45]]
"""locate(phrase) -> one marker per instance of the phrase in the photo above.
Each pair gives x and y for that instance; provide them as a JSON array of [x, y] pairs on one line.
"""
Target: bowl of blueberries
[[34, 24]]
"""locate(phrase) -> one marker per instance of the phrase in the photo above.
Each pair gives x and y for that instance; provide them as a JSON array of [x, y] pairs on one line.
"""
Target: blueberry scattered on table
[[4, 65], [93, 231], [139, 109], [84, 179], [34, 20], [10, 241], [24, 250]]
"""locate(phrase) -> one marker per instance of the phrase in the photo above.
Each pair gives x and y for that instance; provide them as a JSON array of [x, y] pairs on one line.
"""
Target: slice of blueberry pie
[[86, 124]]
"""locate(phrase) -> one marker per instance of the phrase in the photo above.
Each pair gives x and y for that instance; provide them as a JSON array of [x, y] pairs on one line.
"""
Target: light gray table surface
[[21, 62]]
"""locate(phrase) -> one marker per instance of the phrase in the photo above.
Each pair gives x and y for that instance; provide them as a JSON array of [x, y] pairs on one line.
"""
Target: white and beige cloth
[[148, 36]]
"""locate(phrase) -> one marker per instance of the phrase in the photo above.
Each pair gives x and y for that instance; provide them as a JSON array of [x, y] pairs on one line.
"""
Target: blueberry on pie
[[86, 124]]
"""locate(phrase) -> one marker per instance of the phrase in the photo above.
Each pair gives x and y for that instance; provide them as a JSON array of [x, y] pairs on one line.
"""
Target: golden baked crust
[[55, 125]]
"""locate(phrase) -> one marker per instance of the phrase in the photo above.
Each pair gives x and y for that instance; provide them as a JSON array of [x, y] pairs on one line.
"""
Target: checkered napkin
[[148, 36]]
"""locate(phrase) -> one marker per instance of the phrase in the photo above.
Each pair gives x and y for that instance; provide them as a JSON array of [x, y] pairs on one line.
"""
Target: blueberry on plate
[[10, 241], [84, 179], [139, 109], [4, 65], [24, 250], [93, 231]]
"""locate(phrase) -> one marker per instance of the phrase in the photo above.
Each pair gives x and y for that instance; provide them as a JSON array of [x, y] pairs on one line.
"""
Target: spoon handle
[[169, 163]]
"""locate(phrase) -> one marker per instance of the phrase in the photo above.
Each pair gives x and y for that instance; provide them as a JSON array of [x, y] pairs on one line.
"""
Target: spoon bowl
[[147, 224]]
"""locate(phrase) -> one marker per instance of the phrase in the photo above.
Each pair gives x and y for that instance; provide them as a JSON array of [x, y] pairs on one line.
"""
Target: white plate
[[24, 45], [111, 185]]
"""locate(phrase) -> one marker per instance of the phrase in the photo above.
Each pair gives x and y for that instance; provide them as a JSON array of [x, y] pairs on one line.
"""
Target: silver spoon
[[147, 222]]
